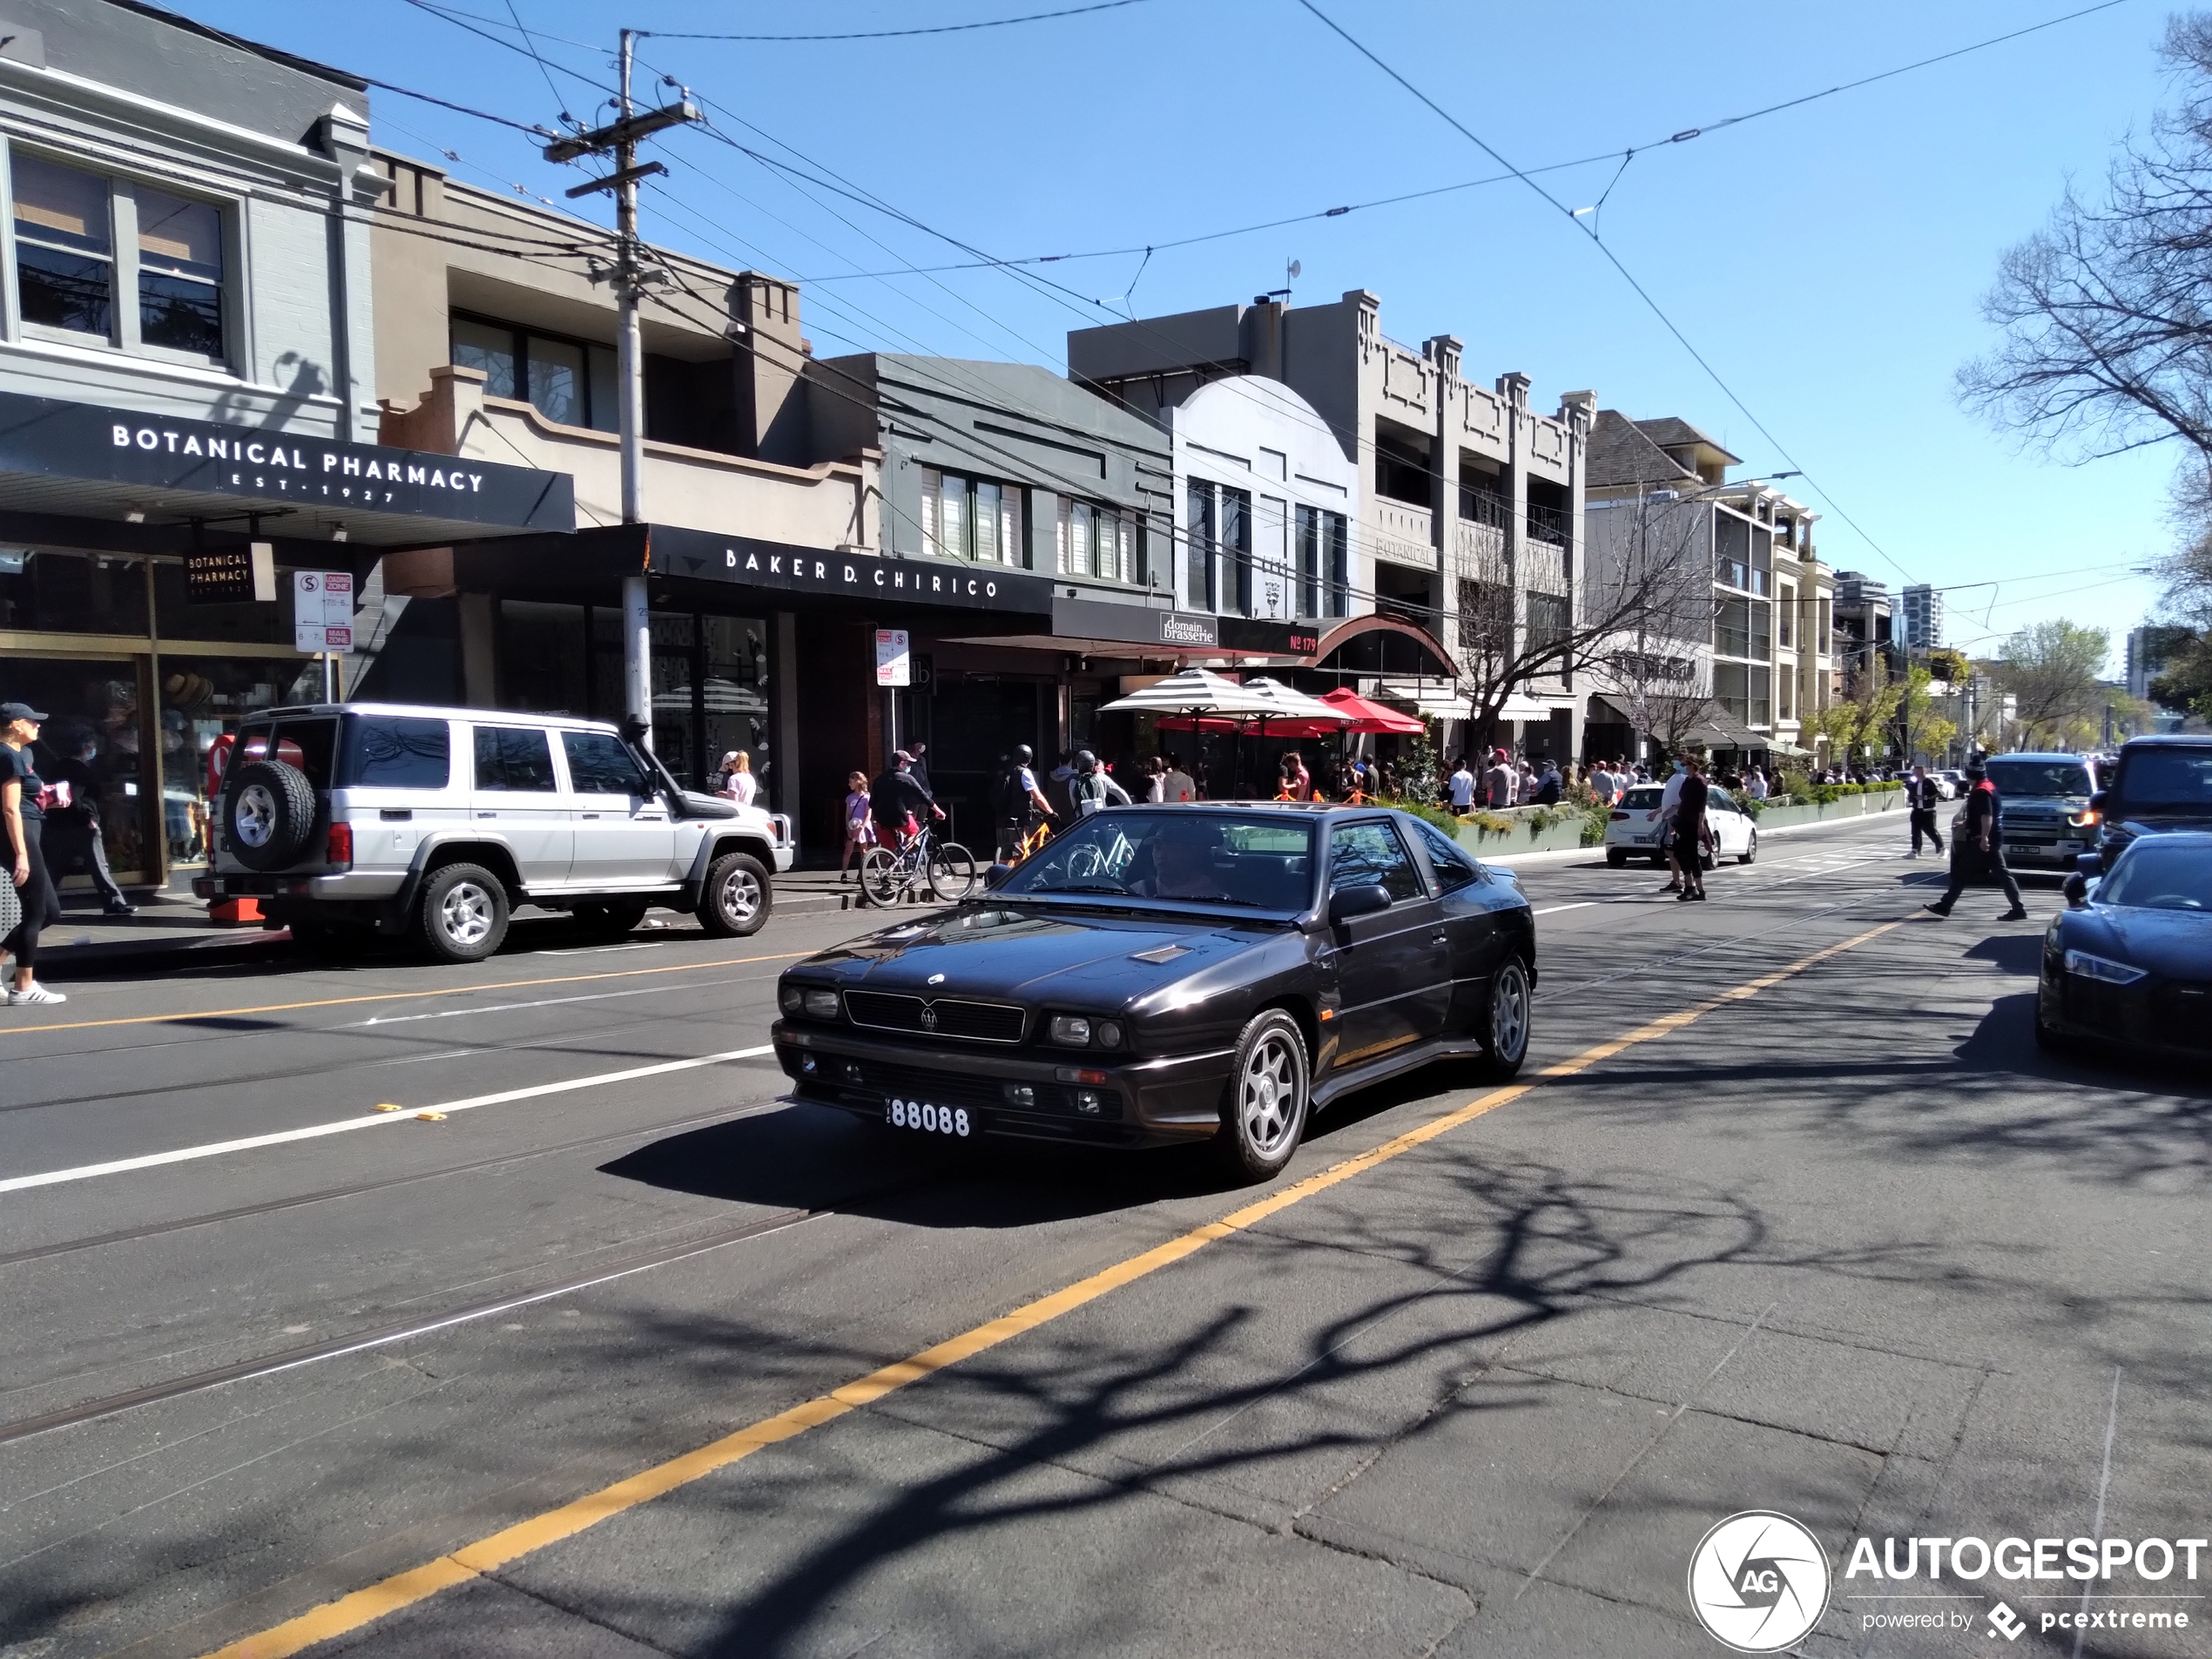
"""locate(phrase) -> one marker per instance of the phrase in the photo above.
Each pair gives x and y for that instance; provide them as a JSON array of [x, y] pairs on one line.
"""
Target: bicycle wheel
[[880, 876], [952, 872]]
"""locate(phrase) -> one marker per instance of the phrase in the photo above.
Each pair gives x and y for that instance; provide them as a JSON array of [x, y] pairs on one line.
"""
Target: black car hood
[[2176, 944], [1093, 957]]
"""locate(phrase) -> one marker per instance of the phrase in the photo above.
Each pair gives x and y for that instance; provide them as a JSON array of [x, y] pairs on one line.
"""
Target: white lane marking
[[601, 950], [1553, 910], [343, 1125], [543, 1002]]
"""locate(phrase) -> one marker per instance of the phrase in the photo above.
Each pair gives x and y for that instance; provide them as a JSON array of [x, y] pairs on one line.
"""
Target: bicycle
[[946, 868]]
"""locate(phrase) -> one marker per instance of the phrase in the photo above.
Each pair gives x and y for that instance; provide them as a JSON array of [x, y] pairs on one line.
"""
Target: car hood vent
[[1163, 954]]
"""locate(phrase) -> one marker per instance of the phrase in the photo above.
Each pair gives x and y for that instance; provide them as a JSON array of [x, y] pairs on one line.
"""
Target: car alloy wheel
[[1266, 1104], [254, 819], [467, 914], [1506, 1040], [739, 898]]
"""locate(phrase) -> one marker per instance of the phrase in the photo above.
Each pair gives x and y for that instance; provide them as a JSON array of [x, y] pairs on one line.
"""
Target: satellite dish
[[1297, 269]]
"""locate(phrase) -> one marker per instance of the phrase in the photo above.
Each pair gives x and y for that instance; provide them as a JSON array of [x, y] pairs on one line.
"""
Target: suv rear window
[[2154, 778], [306, 744], [390, 751]]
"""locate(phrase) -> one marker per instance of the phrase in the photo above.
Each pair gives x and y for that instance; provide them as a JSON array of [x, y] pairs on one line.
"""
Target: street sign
[[893, 664], [322, 610]]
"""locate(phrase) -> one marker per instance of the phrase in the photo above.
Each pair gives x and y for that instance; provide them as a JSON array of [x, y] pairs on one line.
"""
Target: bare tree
[[2107, 312], [1643, 598]]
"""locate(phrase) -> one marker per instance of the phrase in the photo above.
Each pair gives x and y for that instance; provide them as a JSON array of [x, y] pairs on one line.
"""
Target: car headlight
[[1071, 1031], [788, 999], [1109, 1033], [821, 1005], [2102, 967]]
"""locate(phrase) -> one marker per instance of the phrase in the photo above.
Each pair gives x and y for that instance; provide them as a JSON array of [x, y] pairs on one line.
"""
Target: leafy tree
[[1948, 666], [2051, 671]]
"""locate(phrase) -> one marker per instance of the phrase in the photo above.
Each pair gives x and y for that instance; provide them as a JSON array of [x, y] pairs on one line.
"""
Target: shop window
[[570, 382], [543, 664], [84, 241]]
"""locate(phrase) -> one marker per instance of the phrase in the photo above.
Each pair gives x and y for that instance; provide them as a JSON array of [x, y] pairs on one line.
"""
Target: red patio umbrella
[[1370, 717]]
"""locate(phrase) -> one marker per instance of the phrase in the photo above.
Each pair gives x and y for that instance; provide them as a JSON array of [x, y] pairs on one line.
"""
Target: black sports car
[[1162, 974], [2132, 961]]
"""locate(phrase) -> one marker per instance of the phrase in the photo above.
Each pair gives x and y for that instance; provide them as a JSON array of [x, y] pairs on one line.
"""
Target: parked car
[[1164, 974], [1632, 829], [346, 820], [2130, 960], [2043, 807], [2162, 785]]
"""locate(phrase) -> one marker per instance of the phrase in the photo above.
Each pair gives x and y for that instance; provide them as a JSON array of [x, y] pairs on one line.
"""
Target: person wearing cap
[[22, 810], [1977, 850], [898, 800]]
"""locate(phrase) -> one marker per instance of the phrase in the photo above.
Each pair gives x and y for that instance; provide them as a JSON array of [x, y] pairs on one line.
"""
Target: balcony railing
[[1548, 524]]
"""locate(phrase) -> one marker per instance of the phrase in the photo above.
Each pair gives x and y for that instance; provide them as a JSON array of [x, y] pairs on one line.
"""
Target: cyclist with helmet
[[1022, 804]]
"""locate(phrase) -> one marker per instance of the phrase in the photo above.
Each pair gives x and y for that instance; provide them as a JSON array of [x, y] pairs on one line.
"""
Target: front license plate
[[931, 1120]]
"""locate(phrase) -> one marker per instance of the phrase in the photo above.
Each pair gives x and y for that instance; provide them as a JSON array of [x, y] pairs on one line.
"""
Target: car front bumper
[[1148, 1101], [2153, 1015]]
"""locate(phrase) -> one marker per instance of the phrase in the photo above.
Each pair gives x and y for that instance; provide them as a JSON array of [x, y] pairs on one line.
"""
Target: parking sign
[[322, 610]]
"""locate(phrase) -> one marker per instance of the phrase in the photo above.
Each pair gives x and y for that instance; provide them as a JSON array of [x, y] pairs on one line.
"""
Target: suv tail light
[[338, 852]]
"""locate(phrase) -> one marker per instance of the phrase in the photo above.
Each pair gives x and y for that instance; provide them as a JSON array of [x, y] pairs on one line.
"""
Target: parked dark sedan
[[1163, 973], [2132, 962]]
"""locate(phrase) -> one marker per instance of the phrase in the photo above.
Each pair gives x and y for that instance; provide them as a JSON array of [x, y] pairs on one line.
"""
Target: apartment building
[[1761, 661], [1919, 617], [1468, 504]]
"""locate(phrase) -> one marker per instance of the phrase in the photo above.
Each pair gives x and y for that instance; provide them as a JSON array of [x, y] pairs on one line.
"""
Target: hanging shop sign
[[231, 575]]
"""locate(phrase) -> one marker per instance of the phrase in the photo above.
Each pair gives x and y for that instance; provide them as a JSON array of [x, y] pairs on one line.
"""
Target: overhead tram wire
[[1613, 259], [901, 34]]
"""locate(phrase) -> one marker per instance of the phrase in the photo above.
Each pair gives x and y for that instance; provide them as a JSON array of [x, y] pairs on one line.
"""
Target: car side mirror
[[2099, 800], [995, 877], [1347, 903]]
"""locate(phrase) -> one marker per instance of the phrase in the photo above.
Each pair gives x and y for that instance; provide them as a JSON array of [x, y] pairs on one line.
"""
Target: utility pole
[[619, 139]]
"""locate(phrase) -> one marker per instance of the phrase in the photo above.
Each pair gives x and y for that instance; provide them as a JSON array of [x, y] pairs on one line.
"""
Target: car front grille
[[2178, 1014], [946, 1017]]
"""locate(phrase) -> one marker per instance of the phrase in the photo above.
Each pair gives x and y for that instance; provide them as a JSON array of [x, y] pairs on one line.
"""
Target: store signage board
[[89, 441], [231, 575], [322, 610], [707, 557], [893, 666]]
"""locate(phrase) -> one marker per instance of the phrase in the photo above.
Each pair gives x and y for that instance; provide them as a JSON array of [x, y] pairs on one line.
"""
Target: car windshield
[[2151, 778], [1259, 862], [2018, 778], [2155, 874]]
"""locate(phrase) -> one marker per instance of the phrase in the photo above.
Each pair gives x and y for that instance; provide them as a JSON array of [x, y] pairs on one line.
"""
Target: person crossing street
[[1977, 849], [1920, 796]]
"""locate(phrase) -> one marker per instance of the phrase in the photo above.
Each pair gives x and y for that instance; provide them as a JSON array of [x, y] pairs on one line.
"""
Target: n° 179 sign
[[322, 610]]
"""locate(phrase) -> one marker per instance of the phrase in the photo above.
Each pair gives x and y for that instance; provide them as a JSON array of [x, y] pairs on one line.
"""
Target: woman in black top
[[22, 816]]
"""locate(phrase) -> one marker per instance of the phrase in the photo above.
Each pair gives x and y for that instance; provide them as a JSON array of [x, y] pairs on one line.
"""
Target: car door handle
[[1439, 937], [488, 814], [590, 814]]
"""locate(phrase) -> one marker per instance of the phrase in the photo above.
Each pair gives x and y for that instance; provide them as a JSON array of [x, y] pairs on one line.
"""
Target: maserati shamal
[[1164, 974]]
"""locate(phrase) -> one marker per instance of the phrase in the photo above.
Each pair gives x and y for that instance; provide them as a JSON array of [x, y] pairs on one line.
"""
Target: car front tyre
[[1505, 1029], [462, 915], [1264, 1112], [736, 901]]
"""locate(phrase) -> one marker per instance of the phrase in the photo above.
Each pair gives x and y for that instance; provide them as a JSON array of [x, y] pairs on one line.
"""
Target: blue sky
[[1828, 260]]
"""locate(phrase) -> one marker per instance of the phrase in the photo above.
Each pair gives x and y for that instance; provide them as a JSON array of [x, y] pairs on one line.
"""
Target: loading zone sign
[[894, 666], [322, 610]]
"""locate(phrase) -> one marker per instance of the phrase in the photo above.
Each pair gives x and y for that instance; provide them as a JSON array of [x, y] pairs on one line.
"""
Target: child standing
[[859, 828]]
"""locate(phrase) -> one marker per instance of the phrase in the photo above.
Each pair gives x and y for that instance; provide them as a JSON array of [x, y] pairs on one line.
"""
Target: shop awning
[[85, 474]]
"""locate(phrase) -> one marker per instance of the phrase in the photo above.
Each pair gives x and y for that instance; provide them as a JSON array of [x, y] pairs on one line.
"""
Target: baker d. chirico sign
[[86, 441]]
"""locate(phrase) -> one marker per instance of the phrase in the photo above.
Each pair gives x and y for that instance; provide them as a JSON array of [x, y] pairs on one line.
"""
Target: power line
[[1612, 259], [940, 29]]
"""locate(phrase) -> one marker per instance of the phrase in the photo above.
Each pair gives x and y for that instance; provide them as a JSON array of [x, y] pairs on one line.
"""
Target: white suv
[[342, 819]]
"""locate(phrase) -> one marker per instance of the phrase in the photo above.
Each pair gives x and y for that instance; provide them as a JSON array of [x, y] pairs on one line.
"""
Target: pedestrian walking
[[23, 798], [73, 843], [1978, 849], [1462, 786], [1177, 785], [1691, 832], [1920, 798], [859, 828]]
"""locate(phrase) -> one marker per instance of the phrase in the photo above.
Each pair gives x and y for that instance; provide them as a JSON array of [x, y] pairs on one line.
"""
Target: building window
[[1732, 628], [1548, 626], [1198, 546], [1762, 631], [570, 382], [1731, 690], [1220, 572], [979, 519], [1097, 541], [1785, 610], [72, 266], [1324, 558], [1786, 690], [1761, 712]]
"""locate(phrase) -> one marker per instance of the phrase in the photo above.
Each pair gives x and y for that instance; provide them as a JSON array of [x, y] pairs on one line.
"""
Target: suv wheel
[[1265, 1114], [737, 898], [462, 914], [611, 919], [268, 810]]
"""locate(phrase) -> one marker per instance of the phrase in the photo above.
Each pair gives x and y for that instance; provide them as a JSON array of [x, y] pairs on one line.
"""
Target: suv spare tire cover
[[268, 811]]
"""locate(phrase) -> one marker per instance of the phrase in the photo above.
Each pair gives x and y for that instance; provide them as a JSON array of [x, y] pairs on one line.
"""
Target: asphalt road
[[1842, 1244]]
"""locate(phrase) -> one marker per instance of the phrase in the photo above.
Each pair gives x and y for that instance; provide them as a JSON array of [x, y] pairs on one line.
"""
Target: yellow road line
[[393, 996], [366, 1607]]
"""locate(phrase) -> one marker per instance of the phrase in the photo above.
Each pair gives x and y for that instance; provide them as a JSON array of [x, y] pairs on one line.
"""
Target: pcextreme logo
[[1759, 1581]]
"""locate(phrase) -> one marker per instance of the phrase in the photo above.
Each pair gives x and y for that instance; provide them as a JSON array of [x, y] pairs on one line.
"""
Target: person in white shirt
[[1755, 785], [1463, 787]]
